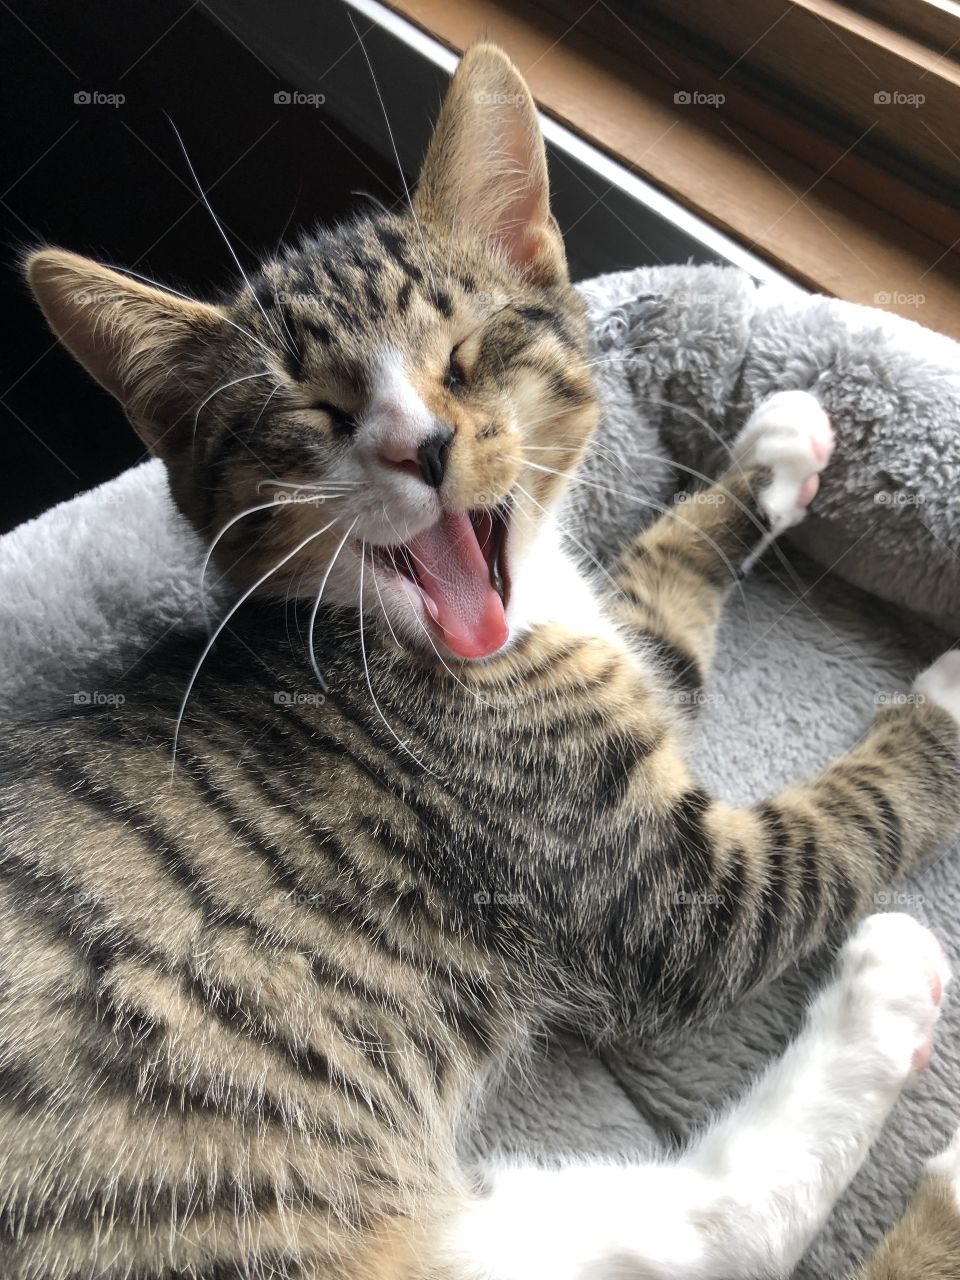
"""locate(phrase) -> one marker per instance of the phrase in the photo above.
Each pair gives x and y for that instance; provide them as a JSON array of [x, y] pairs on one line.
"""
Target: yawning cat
[[264, 946]]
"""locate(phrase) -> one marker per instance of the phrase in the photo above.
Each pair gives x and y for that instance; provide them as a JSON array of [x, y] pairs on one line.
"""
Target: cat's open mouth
[[459, 568]]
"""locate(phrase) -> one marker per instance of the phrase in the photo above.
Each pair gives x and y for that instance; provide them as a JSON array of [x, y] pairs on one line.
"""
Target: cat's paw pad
[[894, 975], [940, 683], [790, 434], [946, 1165]]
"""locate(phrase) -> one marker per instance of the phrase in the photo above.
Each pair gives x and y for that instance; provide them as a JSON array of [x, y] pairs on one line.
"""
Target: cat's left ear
[[144, 345], [486, 167]]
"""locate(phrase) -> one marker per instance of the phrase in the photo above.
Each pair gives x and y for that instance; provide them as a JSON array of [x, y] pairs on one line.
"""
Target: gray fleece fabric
[[866, 594]]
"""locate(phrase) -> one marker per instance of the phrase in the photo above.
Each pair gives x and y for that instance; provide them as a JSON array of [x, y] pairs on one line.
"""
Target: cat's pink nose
[[426, 461]]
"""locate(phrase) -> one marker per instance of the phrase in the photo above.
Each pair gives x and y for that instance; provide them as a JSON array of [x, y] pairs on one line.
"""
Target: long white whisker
[[393, 144], [165, 288], [263, 506], [576, 542], [213, 639], [404, 547], [316, 607], [366, 671], [226, 238], [263, 407], [247, 377], [618, 464], [383, 607], [306, 485], [664, 510]]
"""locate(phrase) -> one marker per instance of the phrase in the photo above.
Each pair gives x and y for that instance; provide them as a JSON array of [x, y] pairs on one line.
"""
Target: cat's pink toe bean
[[808, 490], [922, 1056]]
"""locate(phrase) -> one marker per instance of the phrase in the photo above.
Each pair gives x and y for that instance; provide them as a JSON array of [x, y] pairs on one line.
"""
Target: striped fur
[[248, 1007]]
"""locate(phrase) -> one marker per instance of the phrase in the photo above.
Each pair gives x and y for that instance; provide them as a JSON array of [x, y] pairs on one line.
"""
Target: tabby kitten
[[253, 987]]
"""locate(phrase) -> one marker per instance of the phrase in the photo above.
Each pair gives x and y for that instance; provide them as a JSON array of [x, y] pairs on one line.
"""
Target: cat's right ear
[[486, 168], [143, 344]]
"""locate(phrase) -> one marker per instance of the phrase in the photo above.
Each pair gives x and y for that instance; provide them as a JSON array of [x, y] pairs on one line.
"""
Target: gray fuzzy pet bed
[[866, 594]]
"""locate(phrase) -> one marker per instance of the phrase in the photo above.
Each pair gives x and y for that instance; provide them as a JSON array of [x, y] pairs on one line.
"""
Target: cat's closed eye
[[455, 377], [344, 422]]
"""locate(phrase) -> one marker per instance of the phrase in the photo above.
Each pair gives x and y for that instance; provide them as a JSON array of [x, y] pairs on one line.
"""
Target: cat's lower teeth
[[430, 607], [496, 577]]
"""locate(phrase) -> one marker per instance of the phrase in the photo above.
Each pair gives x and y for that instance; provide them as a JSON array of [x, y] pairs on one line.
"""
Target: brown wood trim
[[934, 26], [842, 63], [754, 110], [797, 214]]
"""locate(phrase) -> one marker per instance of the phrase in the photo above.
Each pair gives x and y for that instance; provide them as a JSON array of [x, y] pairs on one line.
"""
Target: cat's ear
[[144, 345], [486, 167]]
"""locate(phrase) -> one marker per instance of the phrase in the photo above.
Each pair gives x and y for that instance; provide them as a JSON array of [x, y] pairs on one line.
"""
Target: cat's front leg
[[748, 1198], [675, 577]]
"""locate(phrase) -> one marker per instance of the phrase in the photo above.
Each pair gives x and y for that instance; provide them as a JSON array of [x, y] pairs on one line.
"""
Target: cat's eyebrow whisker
[[316, 606], [393, 145], [165, 288], [247, 377], [366, 671], [216, 635], [286, 328], [263, 407], [226, 239]]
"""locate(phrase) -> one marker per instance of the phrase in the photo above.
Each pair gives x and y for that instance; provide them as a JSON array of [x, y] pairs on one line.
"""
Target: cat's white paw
[[791, 434], [947, 1165], [940, 683], [894, 973]]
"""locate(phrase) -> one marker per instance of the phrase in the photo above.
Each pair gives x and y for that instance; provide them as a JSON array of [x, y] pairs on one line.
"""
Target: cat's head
[[391, 408]]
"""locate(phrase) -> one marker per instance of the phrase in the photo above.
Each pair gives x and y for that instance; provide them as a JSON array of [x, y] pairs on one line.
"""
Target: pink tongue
[[455, 579]]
